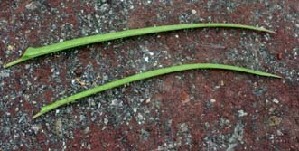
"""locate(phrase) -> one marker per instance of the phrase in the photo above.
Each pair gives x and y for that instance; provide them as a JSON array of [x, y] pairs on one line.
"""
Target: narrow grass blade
[[31, 52], [146, 75]]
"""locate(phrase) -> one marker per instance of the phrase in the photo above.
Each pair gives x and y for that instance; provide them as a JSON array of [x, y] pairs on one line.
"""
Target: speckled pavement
[[193, 110]]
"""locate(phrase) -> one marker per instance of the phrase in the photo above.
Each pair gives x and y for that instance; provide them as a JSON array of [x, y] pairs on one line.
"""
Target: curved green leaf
[[31, 52], [142, 76]]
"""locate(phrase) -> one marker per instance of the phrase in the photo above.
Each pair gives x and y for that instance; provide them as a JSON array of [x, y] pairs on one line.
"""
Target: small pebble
[[275, 101], [10, 48], [36, 128], [279, 133], [27, 66], [274, 121], [193, 11], [221, 83], [151, 53], [242, 113], [86, 130], [58, 127], [147, 100], [212, 100]]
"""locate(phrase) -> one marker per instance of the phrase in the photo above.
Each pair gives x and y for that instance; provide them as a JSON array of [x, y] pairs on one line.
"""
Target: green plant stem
[[146, 75], [31, 52]]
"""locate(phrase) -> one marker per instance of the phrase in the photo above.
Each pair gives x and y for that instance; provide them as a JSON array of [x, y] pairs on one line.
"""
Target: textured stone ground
[[195, 110]]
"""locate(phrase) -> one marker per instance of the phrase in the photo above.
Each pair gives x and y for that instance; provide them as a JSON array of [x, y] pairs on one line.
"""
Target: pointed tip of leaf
[[37, 115], [269, 31], [277, 76], [13, 63], [266, 30]]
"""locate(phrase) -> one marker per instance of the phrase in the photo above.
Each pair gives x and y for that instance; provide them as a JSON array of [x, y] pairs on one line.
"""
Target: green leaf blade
[[143, 76], [31, 52]]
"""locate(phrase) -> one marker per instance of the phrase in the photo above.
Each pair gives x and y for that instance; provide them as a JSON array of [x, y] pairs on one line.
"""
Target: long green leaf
[[146, 75], [31, 52]]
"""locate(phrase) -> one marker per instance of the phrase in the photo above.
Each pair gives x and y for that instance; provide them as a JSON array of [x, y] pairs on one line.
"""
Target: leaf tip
[[275, 76], [266, 30], [278, 77], [271, 32], [37, 115], [9, 64], [5, 66]]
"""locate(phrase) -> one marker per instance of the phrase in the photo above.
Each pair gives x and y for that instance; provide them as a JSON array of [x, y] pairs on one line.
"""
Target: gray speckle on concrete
[[236, 137]]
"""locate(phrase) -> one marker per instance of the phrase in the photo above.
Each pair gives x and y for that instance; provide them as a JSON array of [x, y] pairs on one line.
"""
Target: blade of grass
[[146, 75], [31, 52]]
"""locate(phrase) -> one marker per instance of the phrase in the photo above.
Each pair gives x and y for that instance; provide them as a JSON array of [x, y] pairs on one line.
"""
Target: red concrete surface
[[194, 110]]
